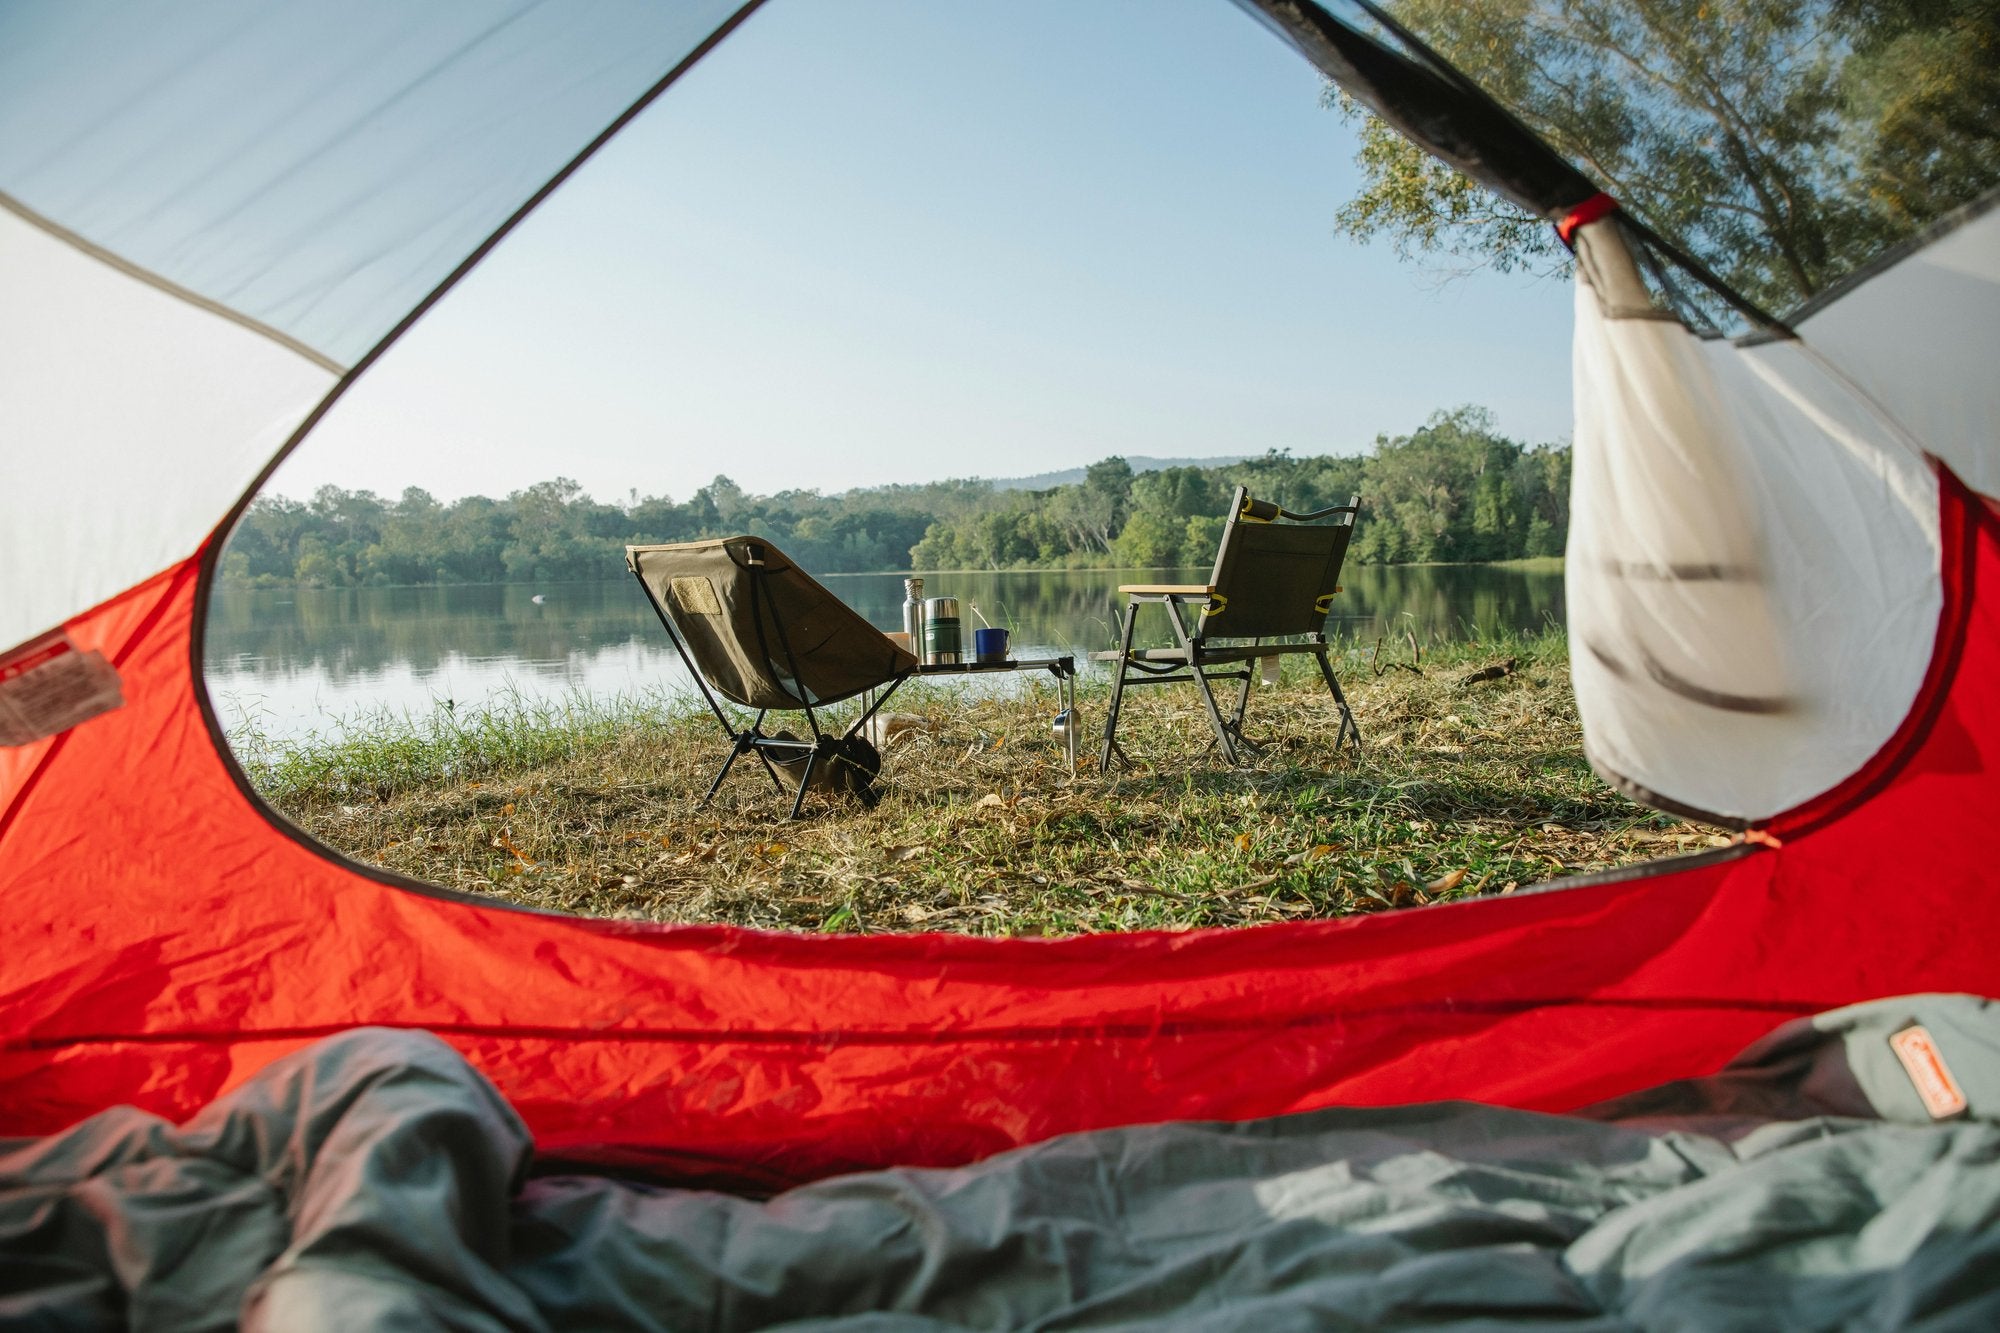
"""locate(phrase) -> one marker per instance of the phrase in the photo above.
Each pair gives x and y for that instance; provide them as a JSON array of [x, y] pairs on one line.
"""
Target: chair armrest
[[1167, 589]]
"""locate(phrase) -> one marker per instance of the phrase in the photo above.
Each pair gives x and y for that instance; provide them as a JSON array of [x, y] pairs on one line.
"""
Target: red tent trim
[[167, 935], [1962, 516]]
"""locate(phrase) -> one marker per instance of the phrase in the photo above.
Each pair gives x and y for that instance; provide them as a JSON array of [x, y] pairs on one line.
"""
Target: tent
[[1784, 576]]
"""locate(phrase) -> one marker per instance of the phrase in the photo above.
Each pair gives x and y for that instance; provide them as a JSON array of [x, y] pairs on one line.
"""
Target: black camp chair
[[757, 630], [1273, 579]]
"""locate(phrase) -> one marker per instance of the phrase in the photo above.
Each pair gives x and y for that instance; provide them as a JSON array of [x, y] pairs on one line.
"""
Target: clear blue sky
[[896, 240]]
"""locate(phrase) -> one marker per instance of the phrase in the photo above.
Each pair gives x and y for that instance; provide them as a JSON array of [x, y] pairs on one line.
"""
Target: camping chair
[[757, 630], [1271, 579]]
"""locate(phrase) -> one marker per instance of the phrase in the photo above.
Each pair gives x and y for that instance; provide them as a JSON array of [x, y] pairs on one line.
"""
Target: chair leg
[[722, 773], [805, 782], [1349, 728], [1201, 683], [1215, 718], [1111, 747], [1242, 707]]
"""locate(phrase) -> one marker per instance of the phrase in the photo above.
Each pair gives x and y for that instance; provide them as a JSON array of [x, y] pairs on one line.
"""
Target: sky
[[900, 240]]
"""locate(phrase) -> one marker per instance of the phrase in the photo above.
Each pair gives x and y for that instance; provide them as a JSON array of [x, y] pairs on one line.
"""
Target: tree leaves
[[1785, 143]]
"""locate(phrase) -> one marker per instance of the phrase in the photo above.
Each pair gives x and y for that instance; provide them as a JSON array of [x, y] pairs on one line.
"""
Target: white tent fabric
[[93, 361], [317, 167], [1921, 338], [210, 210], [1753, 558]]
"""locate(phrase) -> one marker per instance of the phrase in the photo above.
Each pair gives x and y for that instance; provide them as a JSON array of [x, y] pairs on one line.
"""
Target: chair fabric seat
[[758, 631]]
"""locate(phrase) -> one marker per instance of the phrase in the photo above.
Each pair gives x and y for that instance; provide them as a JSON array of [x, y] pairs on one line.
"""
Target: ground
[[1460, 788]]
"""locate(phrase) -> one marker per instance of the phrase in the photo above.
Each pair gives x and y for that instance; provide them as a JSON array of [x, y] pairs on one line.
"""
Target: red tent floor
[[164, 937]]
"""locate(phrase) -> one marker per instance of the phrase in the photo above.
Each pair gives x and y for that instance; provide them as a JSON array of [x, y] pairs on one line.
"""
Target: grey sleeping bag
[[375, 1181]]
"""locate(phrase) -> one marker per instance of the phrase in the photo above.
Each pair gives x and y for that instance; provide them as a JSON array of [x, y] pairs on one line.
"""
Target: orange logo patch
[[1936, 1088]]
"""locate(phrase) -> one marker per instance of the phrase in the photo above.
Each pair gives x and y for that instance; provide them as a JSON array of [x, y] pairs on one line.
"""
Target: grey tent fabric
[[374, 1180], [318, 167]]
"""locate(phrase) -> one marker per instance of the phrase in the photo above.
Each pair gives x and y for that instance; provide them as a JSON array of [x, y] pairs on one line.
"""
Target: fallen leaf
[[507, 809], [1446, 883], [1242, 842], [771, 851], [990, 798], [900, 853]]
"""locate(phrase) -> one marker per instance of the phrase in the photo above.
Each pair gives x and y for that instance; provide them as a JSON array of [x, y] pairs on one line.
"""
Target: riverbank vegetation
[[1463, 788], [1453, 490]]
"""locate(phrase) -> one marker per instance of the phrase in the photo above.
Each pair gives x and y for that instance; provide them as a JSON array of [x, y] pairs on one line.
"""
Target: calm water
[[294, 660]]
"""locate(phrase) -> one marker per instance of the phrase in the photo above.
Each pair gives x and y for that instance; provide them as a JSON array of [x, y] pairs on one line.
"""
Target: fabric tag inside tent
[[48, 686]]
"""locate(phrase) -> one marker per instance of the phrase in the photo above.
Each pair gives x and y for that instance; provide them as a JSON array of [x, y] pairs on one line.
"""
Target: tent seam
[[168, 286]]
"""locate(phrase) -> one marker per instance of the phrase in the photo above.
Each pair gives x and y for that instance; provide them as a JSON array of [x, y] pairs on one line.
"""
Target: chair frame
[[1195, 656], [824, 745]]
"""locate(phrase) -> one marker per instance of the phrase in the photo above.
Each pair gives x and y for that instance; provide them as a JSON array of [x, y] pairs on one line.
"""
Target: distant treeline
[[1453, 490]]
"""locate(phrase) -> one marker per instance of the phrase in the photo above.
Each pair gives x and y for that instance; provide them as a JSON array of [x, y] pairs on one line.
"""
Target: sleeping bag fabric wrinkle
[[376, 1181]]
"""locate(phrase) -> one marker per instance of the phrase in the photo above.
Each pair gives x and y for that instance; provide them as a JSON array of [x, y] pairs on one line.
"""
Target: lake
[[292, 661]]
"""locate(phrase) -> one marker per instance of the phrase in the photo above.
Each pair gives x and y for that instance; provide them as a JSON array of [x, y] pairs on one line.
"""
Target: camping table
[[1062, 668]]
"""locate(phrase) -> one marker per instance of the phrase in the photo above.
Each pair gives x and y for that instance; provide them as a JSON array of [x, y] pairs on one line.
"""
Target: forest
[[1453, 490]]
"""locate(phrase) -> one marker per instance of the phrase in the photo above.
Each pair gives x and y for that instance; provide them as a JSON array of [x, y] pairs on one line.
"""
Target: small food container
[[989, 646], [942, 644]]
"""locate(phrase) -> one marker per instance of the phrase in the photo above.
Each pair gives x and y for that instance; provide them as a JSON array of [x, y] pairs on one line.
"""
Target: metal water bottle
[[913, 615]]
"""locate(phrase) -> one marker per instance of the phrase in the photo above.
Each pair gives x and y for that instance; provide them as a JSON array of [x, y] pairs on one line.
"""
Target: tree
[[1783, 142], [1150, 540]]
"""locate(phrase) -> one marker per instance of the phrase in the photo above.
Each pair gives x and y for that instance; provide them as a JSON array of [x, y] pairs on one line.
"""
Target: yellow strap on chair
[[1324, 602], [1216, 604]]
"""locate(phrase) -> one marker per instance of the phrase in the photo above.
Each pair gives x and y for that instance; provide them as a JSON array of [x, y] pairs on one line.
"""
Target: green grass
[[589, 806]]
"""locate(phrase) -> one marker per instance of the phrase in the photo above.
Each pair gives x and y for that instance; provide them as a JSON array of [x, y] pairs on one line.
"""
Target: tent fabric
[[218, 941], [1752, 565], [131, 417], [166, 936], [1917, 338], [317, 167], [1384, 68], [1804, 1186], [208, 212]]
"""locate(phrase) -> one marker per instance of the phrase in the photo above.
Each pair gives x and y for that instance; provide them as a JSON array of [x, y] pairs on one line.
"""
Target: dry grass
[[590, 808]]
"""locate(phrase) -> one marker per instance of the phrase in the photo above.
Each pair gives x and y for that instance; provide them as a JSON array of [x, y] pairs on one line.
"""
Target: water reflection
[[290, 659]]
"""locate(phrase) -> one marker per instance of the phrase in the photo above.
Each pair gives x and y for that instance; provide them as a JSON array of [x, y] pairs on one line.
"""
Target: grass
[[588, 806]]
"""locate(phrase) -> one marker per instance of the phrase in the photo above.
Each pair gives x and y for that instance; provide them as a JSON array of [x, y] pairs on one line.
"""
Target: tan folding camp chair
[[1273, 585], [755, 629]]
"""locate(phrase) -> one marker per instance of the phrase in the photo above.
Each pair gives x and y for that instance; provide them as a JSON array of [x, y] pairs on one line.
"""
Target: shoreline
[[1534, 564]]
